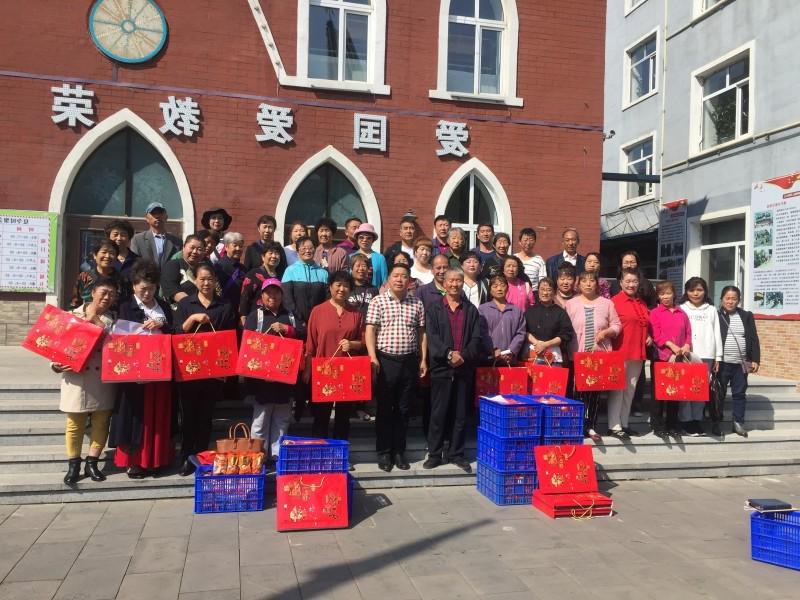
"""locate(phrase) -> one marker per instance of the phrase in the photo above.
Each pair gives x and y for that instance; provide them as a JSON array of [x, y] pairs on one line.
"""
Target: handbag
[[239, 445], [716, 396]]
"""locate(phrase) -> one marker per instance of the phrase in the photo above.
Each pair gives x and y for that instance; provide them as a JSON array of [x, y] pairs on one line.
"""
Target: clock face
[[130, 31]]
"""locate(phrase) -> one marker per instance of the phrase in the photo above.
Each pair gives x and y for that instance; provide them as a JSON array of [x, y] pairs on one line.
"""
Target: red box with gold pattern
[[565, 469], [137, 358], [580, 506], [204, 355], [491, 381], [270, 357], [598, 371], [63, 338], [548, 380], [681, 381], [312, 501], [341, 379]]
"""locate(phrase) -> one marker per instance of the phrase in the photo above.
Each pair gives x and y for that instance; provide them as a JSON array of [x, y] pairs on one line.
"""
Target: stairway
[[32, 462]]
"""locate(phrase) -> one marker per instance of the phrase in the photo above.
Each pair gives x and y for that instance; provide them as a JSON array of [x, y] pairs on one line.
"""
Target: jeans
[[270, 422], [732, 373], [693, 411]]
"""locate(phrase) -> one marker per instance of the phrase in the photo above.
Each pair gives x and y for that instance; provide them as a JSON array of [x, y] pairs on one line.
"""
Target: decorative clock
[[130, 31]]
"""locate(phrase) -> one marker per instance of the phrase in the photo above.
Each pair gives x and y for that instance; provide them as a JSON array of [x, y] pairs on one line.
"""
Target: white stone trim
[[269, 40], [83, 149], [348, 168], [508, 61], [493, 185]]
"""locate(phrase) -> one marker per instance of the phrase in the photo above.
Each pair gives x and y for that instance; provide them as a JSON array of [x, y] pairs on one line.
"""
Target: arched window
[[326, 192], [121, 177], [470, 205], [478, 51]]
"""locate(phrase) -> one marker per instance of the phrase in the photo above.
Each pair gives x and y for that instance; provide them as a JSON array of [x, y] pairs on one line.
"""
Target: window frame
[[471, 229], [632, 5], [624, 149], [627, 66], [697, 98], [701, 9], [509, 45]]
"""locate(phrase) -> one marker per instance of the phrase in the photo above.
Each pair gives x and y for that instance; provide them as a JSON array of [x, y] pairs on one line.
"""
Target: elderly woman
[[104, 255], [366, 236], [457, 242], [178, 274], [83, 394], [141, 425], [520, 292], [363, 291], [328, 255], [503, 321], [548, 327], [596, 323], [421, 269], [305, 283], [492, 265], [229, 268], [632, 341], [271, 253], [203, 311]]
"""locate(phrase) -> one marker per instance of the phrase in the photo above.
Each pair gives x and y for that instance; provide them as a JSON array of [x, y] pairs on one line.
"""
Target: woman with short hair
[[104, 254], [503, 321], [421, 269], [520, 292], [296, 231], [592, 265]]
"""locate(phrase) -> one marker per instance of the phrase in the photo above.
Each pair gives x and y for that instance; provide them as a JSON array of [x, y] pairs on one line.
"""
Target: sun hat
[[366, 228], [226, 218]]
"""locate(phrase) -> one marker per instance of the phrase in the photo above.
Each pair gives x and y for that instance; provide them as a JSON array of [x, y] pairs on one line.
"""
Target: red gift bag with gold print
[[63, 338], [269, 357], [548, 380], [564, 469], [341, 379], [137, 358], [681, 381], [311, 501], [490, 381], [599, 371], [209, 355]]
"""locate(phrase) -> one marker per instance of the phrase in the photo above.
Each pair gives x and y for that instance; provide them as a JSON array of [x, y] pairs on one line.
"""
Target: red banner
[[137, 358], [681, 381], [204, 355], [269, 357], [63, 338], [565, 469], [491, 381], [311, 501], [341, 379], [598, 371], [548, 380]]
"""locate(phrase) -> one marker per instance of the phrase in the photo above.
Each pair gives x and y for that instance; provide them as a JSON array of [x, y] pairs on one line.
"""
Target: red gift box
[[491, 381], [63, 338], [580, 506], [137, 358], [597, 371], [204, 355], [311, 501], [548, 380], [269, 357], [681, 381], [341, 379], [565, 469]]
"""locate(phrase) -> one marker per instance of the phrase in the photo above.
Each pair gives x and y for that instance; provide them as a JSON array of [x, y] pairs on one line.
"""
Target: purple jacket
[[505, 328], [669, 326]]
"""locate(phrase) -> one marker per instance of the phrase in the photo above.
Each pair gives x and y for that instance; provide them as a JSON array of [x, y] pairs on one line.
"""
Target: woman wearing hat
[[366, 236], [217, 219]]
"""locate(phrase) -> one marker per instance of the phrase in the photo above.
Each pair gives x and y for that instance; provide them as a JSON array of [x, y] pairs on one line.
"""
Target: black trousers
[[449, 405], [197, 399], [591, 407], [322, 418], [398, 378], [663, 413]]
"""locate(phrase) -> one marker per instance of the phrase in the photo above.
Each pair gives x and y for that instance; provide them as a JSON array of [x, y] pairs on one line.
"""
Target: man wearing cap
[[366, 236], [155, 244], [408, 232]]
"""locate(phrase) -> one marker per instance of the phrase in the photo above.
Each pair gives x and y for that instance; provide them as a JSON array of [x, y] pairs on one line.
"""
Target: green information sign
[[28, 251]]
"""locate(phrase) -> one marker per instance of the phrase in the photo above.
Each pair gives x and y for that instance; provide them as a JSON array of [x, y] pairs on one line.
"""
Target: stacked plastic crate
[[562, 420]]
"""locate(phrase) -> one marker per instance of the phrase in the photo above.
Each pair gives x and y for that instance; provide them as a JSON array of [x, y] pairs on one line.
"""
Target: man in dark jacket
[[433, 292], [255, 251], [408, 231], [454, 349], [155, 244], [569, 240]]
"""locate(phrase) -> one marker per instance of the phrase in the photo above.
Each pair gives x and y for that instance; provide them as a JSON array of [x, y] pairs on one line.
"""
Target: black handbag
[[716, 398]]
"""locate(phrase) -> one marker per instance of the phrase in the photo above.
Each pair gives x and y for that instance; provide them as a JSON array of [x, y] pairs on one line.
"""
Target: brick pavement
[[669, 539]]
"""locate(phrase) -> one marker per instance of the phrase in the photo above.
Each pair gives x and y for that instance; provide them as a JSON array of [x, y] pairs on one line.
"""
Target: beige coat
[[84, 392]]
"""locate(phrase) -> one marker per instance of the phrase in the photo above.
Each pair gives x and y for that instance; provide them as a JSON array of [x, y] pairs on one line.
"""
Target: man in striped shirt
[[397, 346]]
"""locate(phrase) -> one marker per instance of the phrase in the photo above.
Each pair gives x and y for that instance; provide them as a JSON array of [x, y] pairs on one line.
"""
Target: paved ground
[[668, 539]]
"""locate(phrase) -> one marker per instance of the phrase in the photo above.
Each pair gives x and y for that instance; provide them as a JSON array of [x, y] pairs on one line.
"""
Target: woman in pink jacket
[[672, 336], [596, 323]]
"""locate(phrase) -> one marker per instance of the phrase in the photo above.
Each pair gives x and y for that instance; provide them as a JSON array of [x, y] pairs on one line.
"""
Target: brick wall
[[16, 318], [780, 348]]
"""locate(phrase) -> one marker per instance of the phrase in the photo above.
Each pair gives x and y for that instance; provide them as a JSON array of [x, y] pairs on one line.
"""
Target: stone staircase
[[32, 462]]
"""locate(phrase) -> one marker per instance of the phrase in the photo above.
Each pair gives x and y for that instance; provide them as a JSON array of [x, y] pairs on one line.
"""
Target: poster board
[[774, 247], [672, 242], [28, 251]]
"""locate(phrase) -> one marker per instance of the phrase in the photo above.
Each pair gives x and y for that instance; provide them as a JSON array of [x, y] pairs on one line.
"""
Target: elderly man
[[569, 241], [177, 276], [457, 240], [432, 292], [454, 347], [155, 244], [395, 338]]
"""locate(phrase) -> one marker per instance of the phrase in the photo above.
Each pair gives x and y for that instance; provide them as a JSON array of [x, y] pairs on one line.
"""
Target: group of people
[[427, 312]]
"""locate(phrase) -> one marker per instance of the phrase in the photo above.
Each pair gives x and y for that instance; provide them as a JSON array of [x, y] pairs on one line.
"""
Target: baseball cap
[[154, 206], [271, 281]]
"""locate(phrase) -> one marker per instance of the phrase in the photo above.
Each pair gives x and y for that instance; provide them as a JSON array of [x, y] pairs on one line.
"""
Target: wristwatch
[[449, 355]]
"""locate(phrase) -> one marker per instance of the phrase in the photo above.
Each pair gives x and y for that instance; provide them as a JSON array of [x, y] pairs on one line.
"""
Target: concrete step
[[645, 446]]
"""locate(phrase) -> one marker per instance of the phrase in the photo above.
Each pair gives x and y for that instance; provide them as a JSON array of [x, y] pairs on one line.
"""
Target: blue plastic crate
[[562, 440], [506, 454], [775, 538], [518, 420], [227, 493], [506, 487], [560, 416], [312, 455]]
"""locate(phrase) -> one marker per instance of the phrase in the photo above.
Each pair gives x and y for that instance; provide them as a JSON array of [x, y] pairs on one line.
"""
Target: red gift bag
[[599, 370], [548, 380], [204, 355], [341, 379], [681, 381], [137, 358], [269, 357], [63, 338], [311, 501], [491, 381], [565, 469]]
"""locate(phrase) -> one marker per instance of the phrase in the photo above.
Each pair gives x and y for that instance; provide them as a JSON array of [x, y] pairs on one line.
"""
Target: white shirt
[[706, 337], [534, 268], [423, 276], [573, 260], [154, 313]]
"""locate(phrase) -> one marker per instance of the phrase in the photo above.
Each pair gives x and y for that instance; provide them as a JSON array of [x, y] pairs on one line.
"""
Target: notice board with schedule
[[28, 251]]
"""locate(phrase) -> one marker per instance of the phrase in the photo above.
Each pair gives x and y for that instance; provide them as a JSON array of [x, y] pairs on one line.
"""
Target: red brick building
[[524, 80]]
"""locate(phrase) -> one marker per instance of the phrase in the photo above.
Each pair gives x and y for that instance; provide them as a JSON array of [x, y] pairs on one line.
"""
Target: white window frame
[[698, 76], [701, 8], [508, 58], [632, 5], [623, 164], [627, 65]]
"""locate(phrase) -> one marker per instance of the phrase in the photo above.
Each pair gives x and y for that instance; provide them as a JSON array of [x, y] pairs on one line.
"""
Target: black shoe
[[350, 466], [92, 470], [136, 472], [620, 434], [698, 429], [630, 432], [401, 463], [462, 463], [73, 471], [662, 433], [716, 430], [676, 432], [187, 468], [739, 429], [385, 464], [432, 462]]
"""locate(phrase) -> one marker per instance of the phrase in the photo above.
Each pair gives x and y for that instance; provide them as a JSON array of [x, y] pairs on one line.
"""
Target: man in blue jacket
[[569, 240]]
